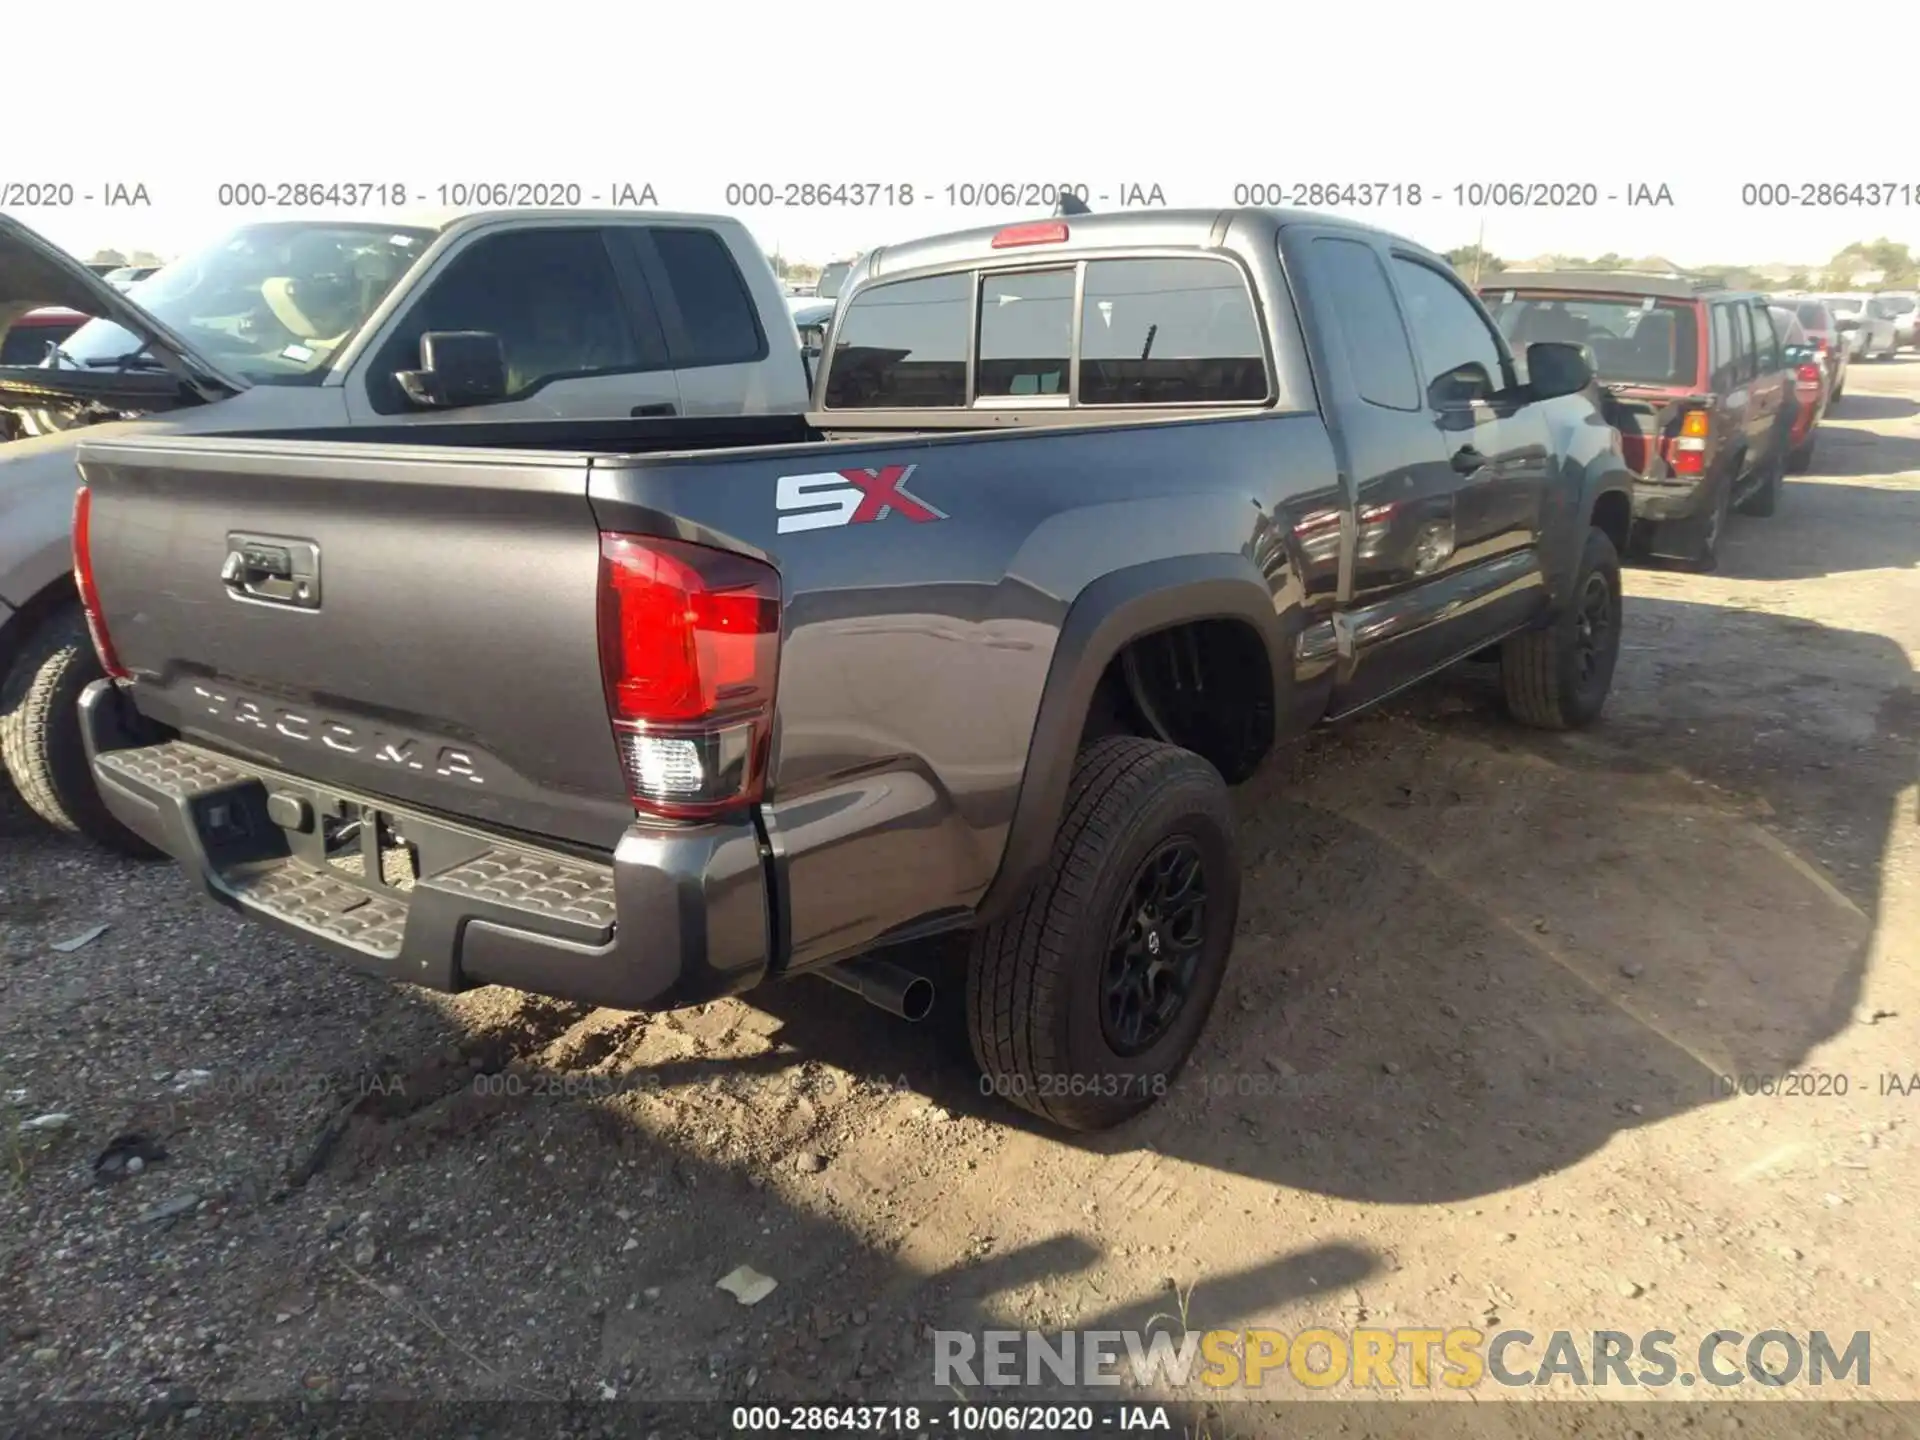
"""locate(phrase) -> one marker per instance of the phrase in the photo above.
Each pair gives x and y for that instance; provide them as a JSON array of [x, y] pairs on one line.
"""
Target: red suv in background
[[1694, 376], [1809, 384], [1823, 333]]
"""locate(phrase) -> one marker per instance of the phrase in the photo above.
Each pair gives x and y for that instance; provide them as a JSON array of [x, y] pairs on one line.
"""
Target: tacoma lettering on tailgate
[[383, 748]]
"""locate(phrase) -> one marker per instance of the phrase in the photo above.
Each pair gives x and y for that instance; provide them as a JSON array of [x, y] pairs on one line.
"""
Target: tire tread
[[1020, 963], [48, 765]]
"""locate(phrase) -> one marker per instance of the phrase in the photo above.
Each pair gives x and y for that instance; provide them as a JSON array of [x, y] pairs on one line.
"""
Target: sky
[[1196, 101]]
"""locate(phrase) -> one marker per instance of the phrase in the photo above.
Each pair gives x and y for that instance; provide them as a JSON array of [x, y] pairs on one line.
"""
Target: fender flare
[[1108, 614], [1565, 542]]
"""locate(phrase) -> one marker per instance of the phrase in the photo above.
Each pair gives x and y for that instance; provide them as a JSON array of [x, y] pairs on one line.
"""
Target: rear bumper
[[673, 916], [1660, 503]]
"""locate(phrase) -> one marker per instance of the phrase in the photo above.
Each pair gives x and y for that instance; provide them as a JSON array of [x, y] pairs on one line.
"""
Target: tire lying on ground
[[40, 732]]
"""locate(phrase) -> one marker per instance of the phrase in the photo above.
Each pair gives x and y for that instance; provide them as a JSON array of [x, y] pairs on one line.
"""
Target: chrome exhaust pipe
[[896, 991]]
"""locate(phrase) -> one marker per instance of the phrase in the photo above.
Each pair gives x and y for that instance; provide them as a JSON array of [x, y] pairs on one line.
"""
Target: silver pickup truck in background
[[510, 315]]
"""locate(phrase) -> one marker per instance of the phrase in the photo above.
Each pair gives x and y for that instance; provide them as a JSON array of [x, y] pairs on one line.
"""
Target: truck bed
[[451, 668]]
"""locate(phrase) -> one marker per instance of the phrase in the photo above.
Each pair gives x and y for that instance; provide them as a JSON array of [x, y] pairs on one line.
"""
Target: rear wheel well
[[1206, 686], [31, 616], [1613, 516]]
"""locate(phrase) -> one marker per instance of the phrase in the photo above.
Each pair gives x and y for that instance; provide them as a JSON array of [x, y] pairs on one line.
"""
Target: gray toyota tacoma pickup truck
[[1087, 516]]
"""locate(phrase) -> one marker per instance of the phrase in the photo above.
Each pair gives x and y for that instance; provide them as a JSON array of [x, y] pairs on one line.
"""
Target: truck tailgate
[[407, 622]]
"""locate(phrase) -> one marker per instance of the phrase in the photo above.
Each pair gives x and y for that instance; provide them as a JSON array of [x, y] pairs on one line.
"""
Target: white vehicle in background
[[1905, 305], [832, 277], [1868, 323], [346, 324]]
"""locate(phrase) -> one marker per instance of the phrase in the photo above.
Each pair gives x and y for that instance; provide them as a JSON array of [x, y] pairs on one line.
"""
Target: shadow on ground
[[1470, 956]]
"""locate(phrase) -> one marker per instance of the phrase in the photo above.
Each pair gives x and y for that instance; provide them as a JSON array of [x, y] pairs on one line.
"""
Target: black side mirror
[[1555, 369], [457, 367]]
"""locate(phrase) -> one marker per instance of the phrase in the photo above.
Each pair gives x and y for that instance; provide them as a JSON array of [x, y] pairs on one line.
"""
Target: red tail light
[[689, 649], [1043, 232], [1686, 453], [1809, 374], [89, 592]]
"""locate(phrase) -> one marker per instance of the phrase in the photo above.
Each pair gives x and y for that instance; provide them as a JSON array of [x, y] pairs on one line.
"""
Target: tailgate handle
[[272, 570]]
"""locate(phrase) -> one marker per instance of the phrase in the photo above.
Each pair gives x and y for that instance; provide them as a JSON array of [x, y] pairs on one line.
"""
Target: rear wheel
[[1086, 1001], [40, 733], [1558, 678], [1706, 551], [1765, 498]]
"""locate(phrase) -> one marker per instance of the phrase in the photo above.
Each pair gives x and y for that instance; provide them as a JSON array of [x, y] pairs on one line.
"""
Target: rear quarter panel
[[915, 652]]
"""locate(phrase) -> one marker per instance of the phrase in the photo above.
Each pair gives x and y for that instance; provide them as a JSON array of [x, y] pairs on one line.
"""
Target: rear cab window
[[711, 318], [1366, 321], [1634, 339], [1152, 332], [903, 346]]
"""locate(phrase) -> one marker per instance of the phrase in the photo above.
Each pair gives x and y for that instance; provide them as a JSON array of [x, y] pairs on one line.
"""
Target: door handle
[[1466, 460], [273, 570], [651, 412]]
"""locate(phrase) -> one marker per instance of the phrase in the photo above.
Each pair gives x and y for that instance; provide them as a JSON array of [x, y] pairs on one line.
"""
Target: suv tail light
[[689, 649], [84, 583], [1686, 453]]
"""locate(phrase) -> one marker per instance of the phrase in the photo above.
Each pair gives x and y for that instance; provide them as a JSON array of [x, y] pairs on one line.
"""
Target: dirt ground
[[1463, 1073]]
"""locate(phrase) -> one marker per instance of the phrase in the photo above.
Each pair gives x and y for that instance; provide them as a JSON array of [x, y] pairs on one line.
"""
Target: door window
[[1766, 345], [1455, 343], [550, 295], [1743, 348]]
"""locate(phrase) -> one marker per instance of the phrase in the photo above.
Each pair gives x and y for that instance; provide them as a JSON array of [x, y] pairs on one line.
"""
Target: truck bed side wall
[[918, 652]]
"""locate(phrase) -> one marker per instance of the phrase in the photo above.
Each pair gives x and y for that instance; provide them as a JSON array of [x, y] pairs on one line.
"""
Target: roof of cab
[[1111, 230], [1605, 282]]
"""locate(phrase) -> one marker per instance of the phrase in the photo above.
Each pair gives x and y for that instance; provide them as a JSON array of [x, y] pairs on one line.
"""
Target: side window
[[903, 346], [1348, 275], [1461, 356], [1026, 334], [551, 297], [1742, 344], [1169, 332], [718, 323], [1726, 367], [1766, 345]]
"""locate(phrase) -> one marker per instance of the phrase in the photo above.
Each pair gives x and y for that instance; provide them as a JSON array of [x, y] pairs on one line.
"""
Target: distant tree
[[1471, 260], [145, 257], [1798, 280], [107, 257], [1893, 261]]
